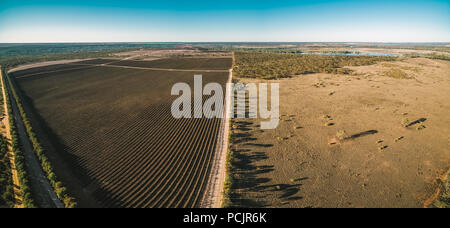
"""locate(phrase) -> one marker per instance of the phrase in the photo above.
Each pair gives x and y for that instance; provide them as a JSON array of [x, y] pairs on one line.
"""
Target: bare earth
[[382, 164], [214, 192]]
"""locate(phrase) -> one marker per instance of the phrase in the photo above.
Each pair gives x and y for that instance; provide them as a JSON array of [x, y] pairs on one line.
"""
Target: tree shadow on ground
[[421, 120], [286, 191], [246, 171], [259, 145], [364, 133], [244, 168]]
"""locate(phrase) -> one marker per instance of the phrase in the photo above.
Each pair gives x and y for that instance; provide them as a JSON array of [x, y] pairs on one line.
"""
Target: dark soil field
[[111, 136], [51, 68], [181, 63]]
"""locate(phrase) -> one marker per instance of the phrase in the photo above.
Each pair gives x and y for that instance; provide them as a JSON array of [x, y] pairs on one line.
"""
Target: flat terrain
[[394, 150], [401, 51], [181, 63], [111, 137], [162, 53]]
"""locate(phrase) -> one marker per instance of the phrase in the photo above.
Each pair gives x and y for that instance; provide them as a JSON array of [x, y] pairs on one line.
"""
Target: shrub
[[229, 180], [443, 200], [397, 74], [6, 190], [405, 122], [342, 135], [420, 127]]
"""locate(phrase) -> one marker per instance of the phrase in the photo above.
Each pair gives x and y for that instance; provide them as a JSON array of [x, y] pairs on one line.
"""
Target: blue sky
[[218, 20]]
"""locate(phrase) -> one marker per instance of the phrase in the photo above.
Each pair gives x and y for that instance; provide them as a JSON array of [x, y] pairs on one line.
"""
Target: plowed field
[[114, 128]]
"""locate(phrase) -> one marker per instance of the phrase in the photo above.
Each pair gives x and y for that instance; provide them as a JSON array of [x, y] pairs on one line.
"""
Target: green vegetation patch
[[430, 56], [275, 65], [6, 184], [59, 188], [19, 158], [6, 187], [444, 198]]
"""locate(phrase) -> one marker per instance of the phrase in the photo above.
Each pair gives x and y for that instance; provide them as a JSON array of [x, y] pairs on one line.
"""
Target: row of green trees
[[6, 185], [430, 56], [58, 186], [275, 65], [19, 158], [229, 178]]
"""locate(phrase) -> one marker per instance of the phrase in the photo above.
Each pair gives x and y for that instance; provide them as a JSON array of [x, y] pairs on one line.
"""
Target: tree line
[[276, 65], [19, 158]]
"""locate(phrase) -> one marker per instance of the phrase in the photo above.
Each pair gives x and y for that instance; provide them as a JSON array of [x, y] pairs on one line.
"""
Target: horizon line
[[189, 42]]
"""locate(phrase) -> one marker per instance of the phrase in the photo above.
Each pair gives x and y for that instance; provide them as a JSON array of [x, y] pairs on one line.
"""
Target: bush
[[342, 135], [397, 74], [6, 190], [443, 200], [229, 180]]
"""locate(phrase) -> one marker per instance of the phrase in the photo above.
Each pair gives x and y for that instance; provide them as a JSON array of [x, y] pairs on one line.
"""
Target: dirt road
[[214, 192], [43, 64], [43, 193]]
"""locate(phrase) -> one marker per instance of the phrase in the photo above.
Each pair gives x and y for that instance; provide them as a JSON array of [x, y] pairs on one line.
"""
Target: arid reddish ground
[[380, 164]]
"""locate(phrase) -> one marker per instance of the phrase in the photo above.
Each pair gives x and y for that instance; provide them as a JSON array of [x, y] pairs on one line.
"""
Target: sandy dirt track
[[214, 191], [41, 64]]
